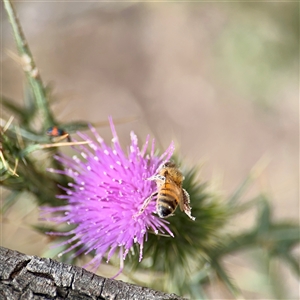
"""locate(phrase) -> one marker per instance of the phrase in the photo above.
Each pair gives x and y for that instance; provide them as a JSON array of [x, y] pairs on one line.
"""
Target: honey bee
[[169, 193]]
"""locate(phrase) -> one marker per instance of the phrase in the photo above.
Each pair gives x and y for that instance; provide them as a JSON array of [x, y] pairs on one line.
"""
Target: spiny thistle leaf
[[292, 262], [232, 287], [24, 174], [264, 216]]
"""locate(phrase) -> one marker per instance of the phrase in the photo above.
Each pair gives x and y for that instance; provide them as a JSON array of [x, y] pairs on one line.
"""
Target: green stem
[[30, 68]]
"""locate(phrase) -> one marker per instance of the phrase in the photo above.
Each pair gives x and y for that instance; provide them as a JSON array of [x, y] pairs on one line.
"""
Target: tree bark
[[31, 277]]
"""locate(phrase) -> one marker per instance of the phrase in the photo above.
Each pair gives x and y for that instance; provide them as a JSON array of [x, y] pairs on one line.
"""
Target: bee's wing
[[184, 204], [182, 199]]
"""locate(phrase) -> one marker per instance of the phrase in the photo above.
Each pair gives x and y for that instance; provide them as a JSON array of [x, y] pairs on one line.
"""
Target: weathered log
[[30, 277]]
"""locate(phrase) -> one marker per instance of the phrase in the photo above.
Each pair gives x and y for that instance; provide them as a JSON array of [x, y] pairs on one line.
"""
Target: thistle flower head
[[108, 189]]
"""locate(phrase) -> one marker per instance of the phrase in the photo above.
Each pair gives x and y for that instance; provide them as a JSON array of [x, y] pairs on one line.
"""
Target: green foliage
[[32, 73], [185, 263], [20, 170]]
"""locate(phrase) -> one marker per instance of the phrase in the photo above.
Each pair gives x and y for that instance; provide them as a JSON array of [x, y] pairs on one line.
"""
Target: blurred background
[[220, 79]]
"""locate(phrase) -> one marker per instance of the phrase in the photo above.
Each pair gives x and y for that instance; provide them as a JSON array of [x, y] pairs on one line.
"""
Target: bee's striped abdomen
[[167, 200]]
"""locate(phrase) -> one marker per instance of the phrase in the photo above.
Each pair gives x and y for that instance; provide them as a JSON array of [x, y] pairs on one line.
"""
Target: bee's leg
[[158, 178], [186, 205], [145, 204]]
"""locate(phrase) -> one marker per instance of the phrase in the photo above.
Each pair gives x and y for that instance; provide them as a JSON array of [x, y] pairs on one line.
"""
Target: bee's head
[[169, 164]]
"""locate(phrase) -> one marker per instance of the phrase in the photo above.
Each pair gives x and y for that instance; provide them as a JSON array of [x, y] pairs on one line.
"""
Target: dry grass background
[[221, 79]]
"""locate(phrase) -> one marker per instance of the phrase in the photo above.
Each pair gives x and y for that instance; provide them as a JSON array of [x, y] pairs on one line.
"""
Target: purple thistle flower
[[108, 191]]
